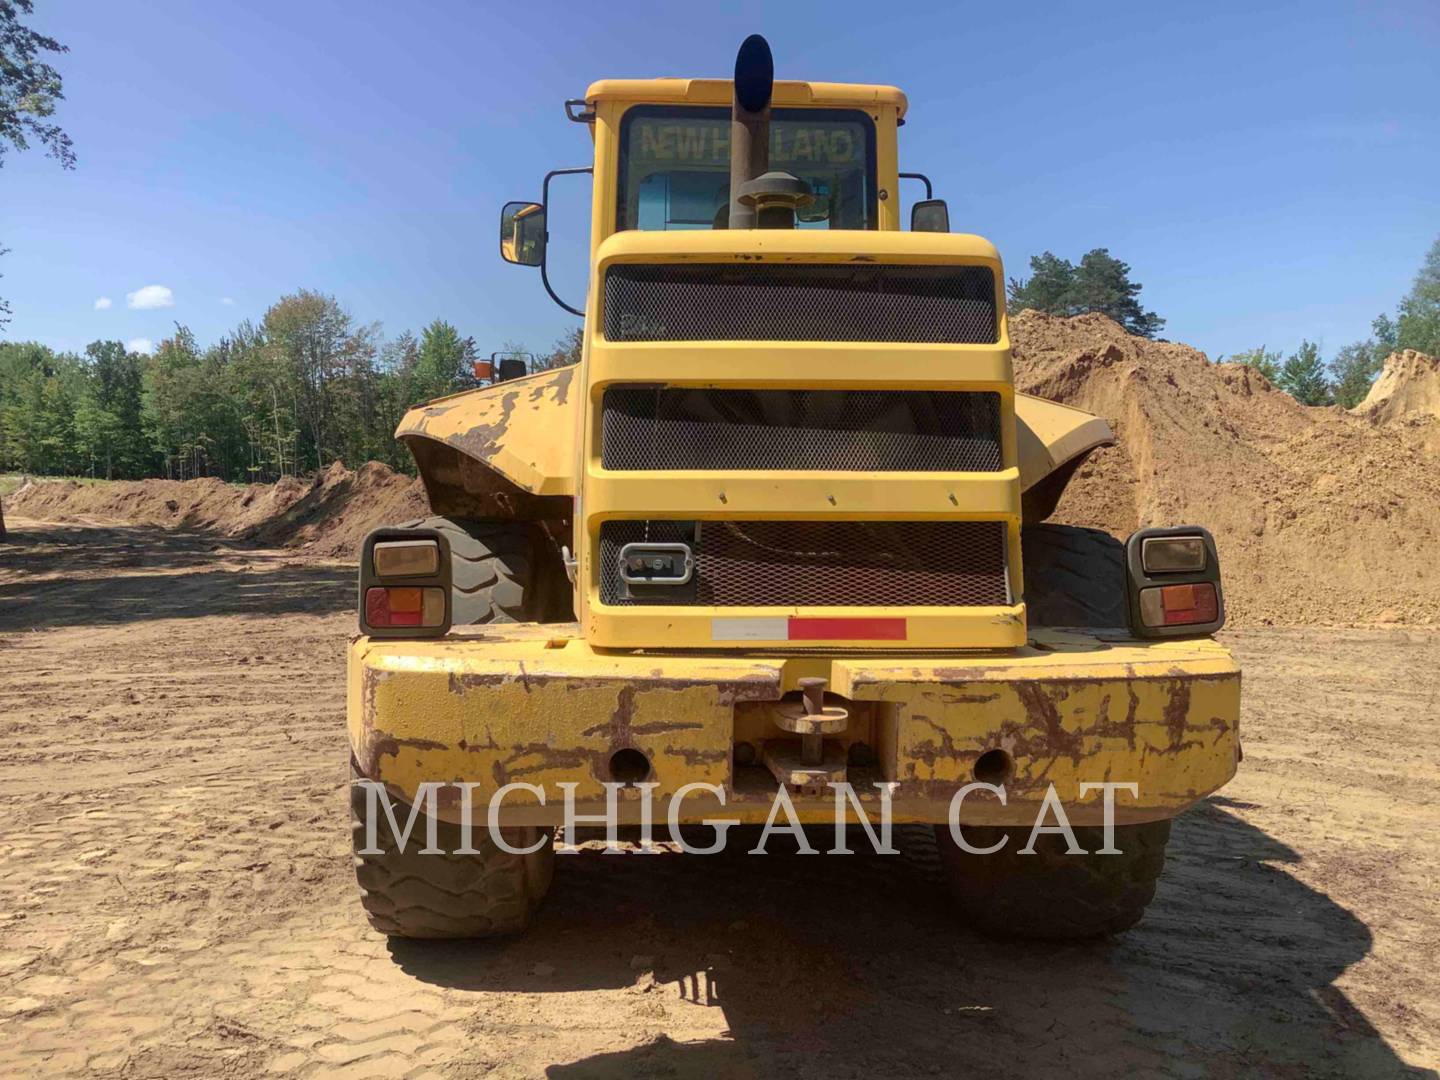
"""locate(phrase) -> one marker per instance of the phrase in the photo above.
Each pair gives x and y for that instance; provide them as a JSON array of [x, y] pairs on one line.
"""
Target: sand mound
[[1409, 385], [1320, 516], [1407, 393], [327, 515]]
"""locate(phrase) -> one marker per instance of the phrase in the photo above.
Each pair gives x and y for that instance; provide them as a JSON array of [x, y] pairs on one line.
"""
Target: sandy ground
[[176, 895]]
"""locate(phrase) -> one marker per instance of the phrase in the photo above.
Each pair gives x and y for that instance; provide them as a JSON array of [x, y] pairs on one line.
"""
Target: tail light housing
[[1173, 581], [405, 584]]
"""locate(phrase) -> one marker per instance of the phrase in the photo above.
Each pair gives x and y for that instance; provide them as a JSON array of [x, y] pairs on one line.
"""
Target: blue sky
[[1270, 171]]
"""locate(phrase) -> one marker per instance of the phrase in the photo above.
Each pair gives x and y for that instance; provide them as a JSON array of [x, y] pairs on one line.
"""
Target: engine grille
[[818, 563], [800, 302], [659, 427]]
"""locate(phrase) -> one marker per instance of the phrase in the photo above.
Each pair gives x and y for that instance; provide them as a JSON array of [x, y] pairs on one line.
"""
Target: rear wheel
[[1073, 577], [406, 894], [1051, 894], [500, 571]]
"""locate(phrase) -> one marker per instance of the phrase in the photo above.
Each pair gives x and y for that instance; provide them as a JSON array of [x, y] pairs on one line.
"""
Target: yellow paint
[[519, 428], [516, 703], [1048, 435], [549, 705]]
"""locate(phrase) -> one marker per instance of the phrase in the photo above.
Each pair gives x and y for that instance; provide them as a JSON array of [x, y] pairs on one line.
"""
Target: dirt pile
[[1320, 515], [1407, 393], [328, 514]]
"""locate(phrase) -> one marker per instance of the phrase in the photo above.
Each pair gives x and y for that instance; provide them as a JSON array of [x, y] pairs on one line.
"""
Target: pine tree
[[1303, 376], [1101, 283], [1048, 288]]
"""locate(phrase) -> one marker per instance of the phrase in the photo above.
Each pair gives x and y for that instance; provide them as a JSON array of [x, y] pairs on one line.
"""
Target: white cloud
[[102, 304], [141, 345], [151, 296], [228, 301]]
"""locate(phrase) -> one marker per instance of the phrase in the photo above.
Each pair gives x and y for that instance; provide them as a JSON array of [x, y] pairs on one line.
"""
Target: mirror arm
[[545, 251], [929, 191]]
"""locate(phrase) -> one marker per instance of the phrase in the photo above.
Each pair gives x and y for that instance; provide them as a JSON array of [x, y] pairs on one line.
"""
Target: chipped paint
[[499, 706], [522, 429]]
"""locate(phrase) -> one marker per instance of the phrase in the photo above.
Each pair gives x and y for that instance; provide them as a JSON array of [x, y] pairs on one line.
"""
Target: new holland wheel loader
[[780, 531]]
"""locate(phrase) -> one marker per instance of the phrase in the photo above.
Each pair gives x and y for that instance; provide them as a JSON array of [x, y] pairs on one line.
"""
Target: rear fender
[[501, 452], [1053, 440]]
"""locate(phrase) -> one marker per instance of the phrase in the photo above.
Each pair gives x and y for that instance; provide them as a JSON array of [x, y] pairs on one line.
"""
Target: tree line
[[1101, 283], [1098, 283], [306, 385], [1347, 377]]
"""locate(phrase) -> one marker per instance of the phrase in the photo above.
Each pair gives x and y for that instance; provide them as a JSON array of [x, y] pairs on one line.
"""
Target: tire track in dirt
[[176, 896]]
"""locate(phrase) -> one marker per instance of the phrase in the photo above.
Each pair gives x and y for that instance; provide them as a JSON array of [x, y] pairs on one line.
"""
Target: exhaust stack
[[750, 124]]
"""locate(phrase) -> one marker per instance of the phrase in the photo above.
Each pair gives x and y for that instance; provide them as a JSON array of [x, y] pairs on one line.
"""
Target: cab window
[[675, 166]]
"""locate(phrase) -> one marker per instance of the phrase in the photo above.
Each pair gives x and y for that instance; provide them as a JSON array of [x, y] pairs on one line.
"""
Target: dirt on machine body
[[779, 534]]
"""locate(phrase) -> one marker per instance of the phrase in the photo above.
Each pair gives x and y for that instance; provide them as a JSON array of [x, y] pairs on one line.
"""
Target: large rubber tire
[[1051, 894], [492, 569], [1073, 577], [410, 895]]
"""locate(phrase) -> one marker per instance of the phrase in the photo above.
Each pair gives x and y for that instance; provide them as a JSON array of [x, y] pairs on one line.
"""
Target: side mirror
[[522, 233], [930, 215]]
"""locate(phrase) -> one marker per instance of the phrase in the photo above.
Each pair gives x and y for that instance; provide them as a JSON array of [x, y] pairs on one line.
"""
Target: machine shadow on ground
[[53, 577], [836, 966]]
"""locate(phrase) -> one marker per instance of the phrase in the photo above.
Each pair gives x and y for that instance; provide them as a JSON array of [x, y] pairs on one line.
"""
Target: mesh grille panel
[[656, 427], [819, 563], [800, 302]]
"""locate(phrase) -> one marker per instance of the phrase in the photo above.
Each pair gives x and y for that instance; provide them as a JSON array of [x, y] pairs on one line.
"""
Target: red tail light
[[405, 583], [386, 607], [1173, 578], [1180, 605]]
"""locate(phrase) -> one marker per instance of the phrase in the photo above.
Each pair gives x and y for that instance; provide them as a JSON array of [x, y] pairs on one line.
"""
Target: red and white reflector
[[1179, 605], [797, 628], [389, 607]]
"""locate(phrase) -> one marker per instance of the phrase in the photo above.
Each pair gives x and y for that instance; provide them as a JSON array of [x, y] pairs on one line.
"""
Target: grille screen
[[818, 563], [657, 427], [800, 302]]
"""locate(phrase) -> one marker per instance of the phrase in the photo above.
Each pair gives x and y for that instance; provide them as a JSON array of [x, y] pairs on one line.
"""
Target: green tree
[[567, 350], [1101, 283], [115, 389], [1049, 288], [329, 363], [40, 391], [29, 91], [1386, 335], [97, 430], [443, 362], [1353, 371], [1266, 363], [1419, 322], [167, 402], [1303, 376]]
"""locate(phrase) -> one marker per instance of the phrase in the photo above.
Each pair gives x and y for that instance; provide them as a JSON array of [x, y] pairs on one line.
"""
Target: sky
[[1271, 172]]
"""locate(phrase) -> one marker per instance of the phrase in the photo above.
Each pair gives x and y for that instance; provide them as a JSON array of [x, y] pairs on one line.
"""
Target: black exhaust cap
[[750, 124]]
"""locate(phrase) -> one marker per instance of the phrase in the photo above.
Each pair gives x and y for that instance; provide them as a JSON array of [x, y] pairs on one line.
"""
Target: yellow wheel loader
[[773, 553]]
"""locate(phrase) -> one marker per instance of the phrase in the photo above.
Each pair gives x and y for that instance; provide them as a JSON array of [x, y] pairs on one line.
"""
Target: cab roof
[[721, 92]]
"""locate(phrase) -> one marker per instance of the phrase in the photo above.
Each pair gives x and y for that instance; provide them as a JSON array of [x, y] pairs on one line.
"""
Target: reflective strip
[[798, 629], [762, 629], [848, 630]]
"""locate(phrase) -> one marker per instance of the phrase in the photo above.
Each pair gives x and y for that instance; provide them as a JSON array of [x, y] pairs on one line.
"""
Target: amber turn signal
[[1179, 605], [388, 607]]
